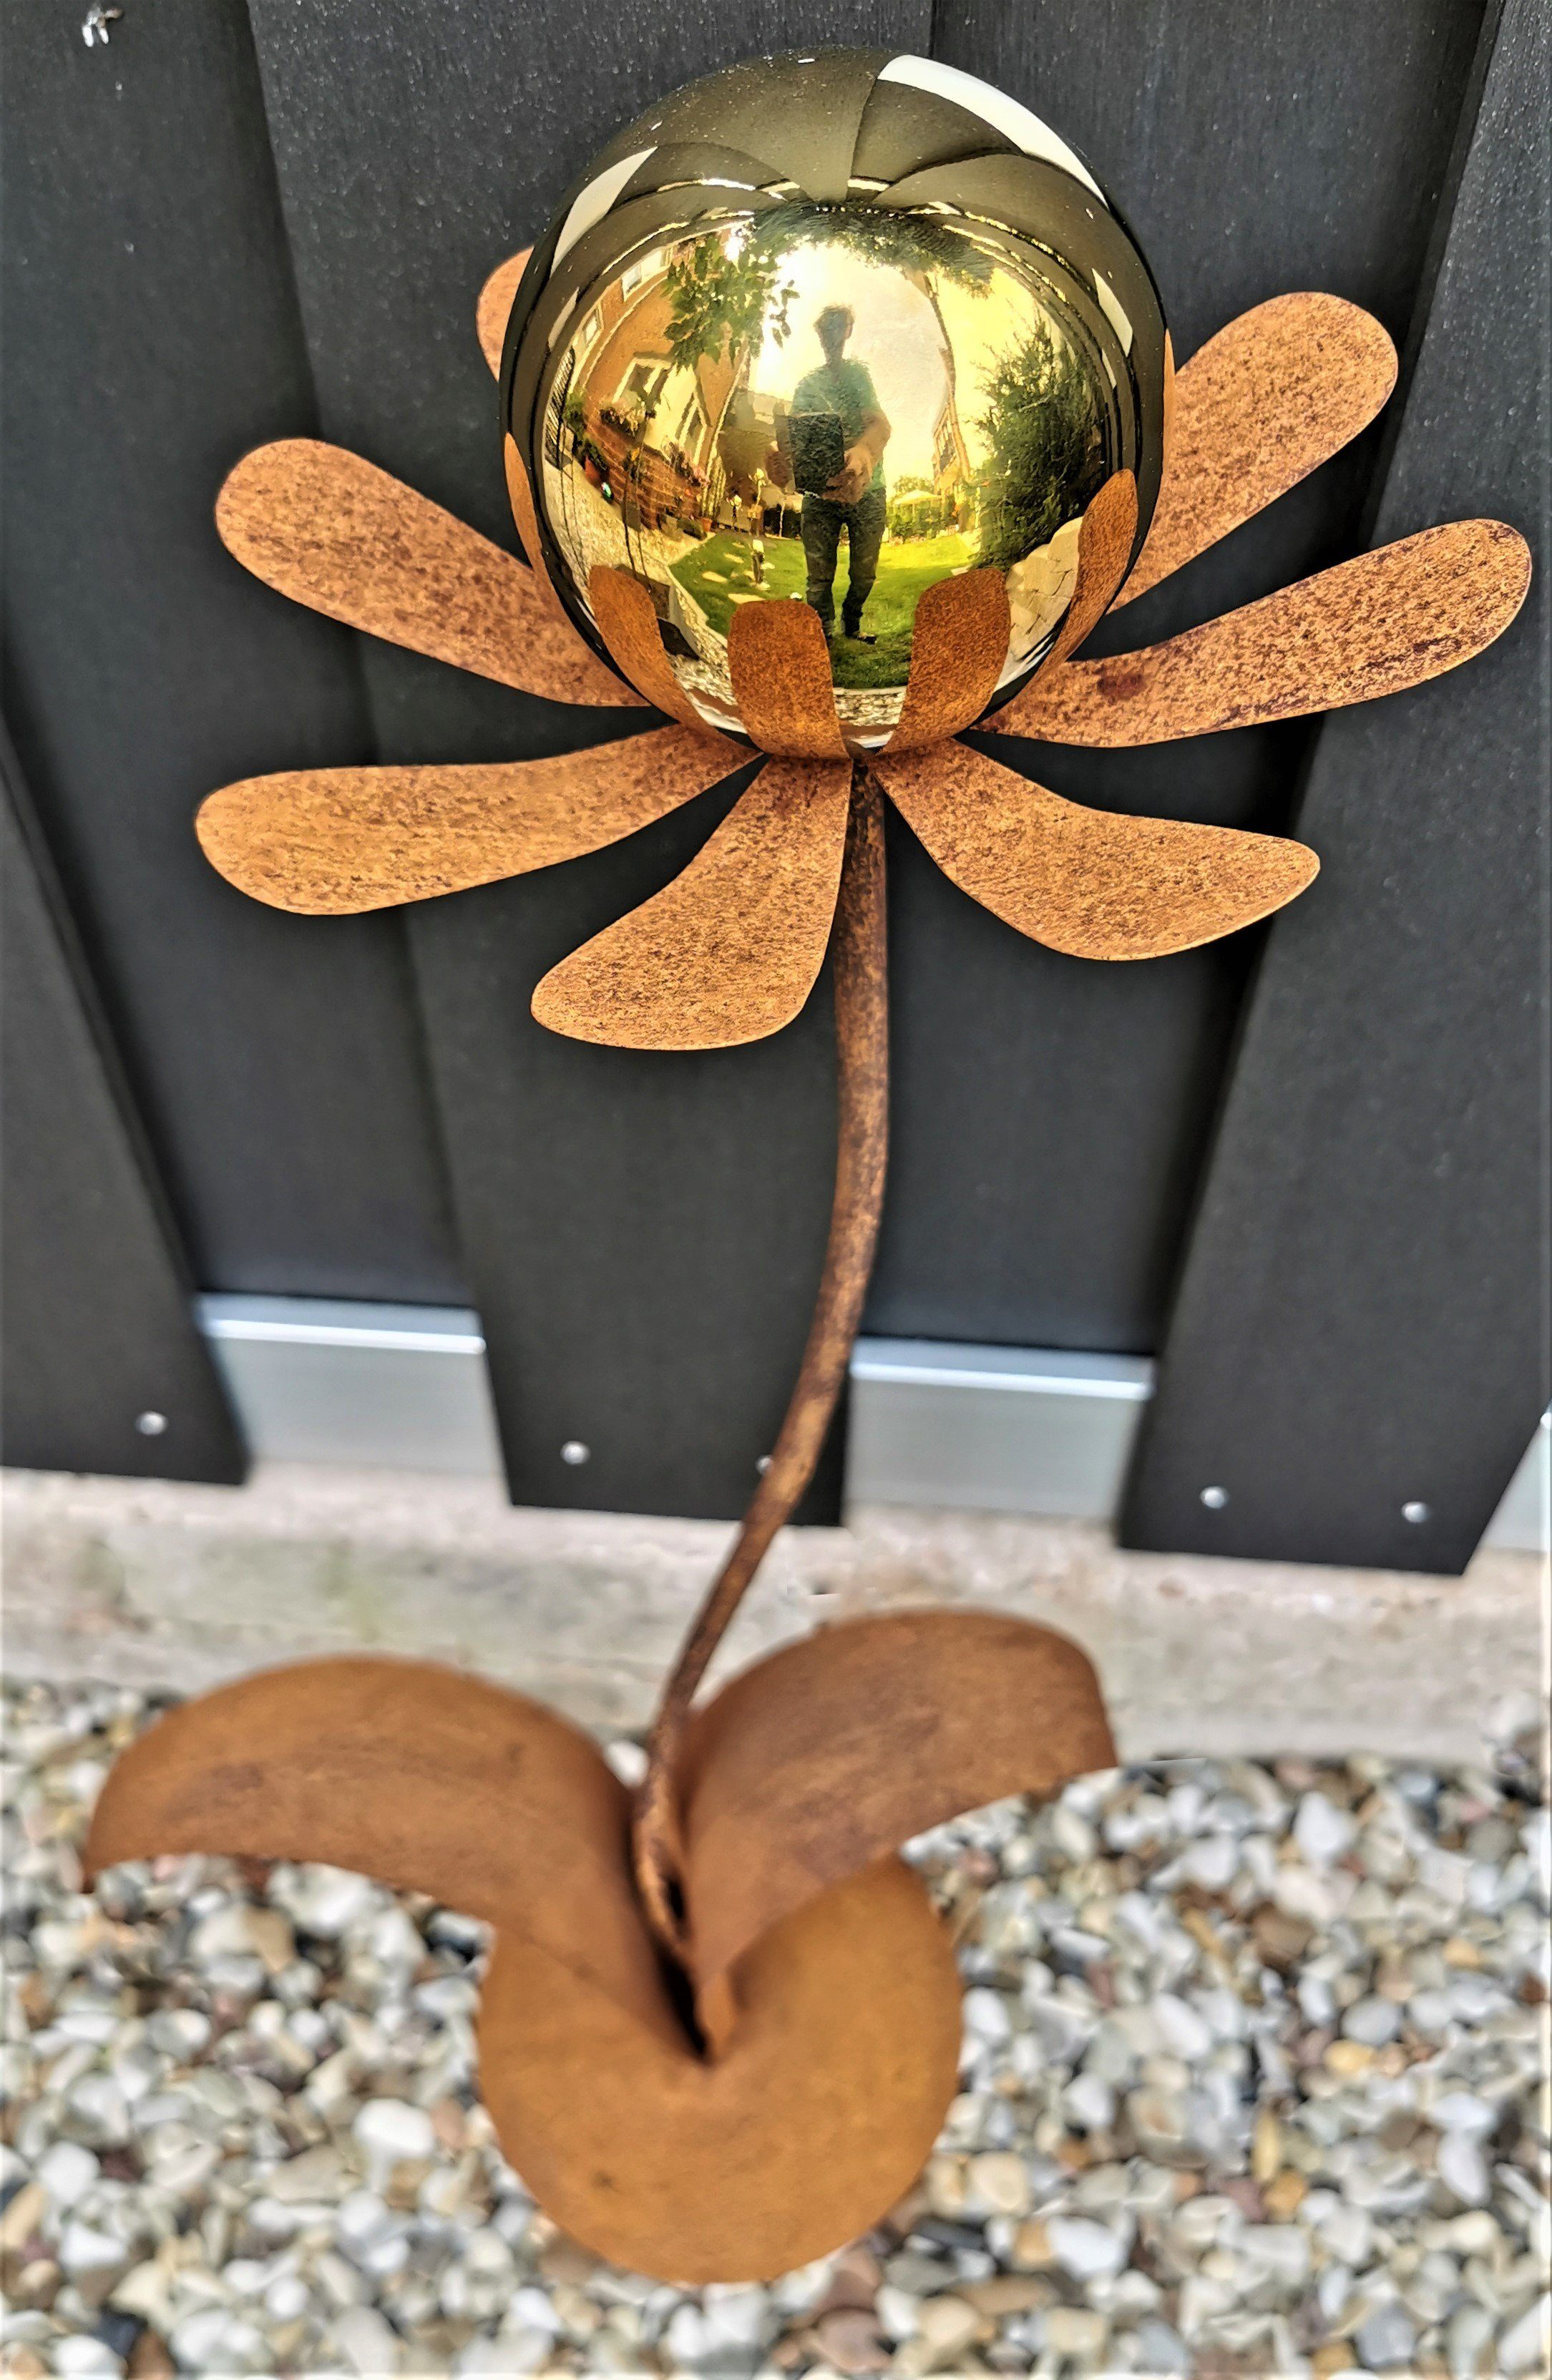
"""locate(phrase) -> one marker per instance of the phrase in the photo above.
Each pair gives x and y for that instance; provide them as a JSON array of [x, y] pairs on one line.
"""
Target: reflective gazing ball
[[826, 329]]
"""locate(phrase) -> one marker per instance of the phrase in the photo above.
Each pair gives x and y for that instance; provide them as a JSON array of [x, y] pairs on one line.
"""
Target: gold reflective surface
[[836, 405]]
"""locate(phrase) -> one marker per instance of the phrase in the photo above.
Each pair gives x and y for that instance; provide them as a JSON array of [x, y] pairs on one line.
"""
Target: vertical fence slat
[[151, 336], [99, 1323], [1362, 1323]]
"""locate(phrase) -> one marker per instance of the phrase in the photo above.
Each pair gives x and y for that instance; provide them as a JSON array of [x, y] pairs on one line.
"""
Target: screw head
[[575, 1452], [1417, 1513], [1215, 1498], [151, 1425]]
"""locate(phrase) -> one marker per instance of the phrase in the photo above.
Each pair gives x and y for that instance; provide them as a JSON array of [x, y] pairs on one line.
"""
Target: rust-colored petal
[[813, 2121], [627, 621], [821, 1758], [330, 841], [433, 1781], [1104, 543], [729, 951], [958, 644], [1375, 625], [780, 666], [333, 532], [492, 307], [1255, 411], [1090, 883]]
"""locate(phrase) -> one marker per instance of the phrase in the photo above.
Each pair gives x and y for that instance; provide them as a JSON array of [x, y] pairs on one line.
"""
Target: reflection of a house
[[951, 464], [675, 442]]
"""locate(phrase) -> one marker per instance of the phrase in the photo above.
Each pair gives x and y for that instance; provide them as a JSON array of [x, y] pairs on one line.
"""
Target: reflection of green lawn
[[720, 570]]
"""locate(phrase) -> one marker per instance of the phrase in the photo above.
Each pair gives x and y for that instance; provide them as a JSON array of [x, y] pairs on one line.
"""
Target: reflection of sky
[[894, 336], [898, 339]]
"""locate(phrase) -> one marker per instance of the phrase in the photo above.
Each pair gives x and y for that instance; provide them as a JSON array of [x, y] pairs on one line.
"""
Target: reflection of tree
[[717, 303], [920, 246], [1045, 455]]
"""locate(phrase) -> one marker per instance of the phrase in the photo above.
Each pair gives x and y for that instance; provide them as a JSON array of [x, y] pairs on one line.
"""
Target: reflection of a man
[[836, 433]]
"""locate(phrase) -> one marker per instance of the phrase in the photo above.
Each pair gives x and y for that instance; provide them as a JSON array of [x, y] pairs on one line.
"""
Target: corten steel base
[[720, 2027]]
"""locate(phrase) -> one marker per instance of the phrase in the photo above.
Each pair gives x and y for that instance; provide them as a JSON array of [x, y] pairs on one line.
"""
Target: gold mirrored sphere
[[827, 330]]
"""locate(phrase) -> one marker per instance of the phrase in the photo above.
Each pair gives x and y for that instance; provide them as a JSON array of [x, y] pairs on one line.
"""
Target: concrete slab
[[159, 1583]]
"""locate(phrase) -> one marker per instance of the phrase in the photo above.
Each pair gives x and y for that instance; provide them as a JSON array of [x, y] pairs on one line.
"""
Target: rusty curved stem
[[859, 956]]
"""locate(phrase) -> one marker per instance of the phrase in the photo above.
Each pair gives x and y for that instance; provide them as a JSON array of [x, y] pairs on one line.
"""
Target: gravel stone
[[1253, 2084]]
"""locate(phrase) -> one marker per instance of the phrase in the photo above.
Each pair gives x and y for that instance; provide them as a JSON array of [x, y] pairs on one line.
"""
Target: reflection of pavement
[[590, 530]]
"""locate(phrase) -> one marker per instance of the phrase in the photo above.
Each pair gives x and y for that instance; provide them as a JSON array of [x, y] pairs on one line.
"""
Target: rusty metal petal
[[729, 951], [812, 2121], [1375, 625], [812, 1763], [433, 1781], [332, 531], [331, 841], [1264, 402], [1095, 884]]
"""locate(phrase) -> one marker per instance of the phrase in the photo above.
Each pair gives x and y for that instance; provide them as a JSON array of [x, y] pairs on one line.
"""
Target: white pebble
[[1184, 2032], [242, 1931], [84, 2358], [1462, 2168], [1083, 2247], [1372, 2019], [1387, 2339], [898, 2312], [368, 2344], [392, 2132], [65, 2172], [1527, 2344], [323, 1901], [985, 2015], [1461, 2111], [516, 2352], [946, 2325], [1322, 1832]]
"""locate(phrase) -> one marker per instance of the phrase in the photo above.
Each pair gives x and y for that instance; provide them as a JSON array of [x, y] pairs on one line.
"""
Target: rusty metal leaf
[[331, 841], [332, 531]]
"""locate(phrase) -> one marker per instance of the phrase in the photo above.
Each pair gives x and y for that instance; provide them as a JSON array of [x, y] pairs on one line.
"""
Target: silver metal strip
[[934, 1423]]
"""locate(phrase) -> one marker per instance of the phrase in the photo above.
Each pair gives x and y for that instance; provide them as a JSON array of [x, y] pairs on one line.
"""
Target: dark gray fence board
[[98, 1322], [1363, 1318], [1053, 1115], [642, 1233], [151, 336]]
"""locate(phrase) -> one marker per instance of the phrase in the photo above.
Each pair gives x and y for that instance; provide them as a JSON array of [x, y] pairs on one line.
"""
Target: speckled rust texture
[[1105, 544], [330, 841], [823, 2092], [814, 2118], [1096, 885], [1257, 410], [333, 532], [959, 646], [627, 623], [729, 951], [835, 1749], [1371, 626], [492, 309], [428, 1778], [780, 665]]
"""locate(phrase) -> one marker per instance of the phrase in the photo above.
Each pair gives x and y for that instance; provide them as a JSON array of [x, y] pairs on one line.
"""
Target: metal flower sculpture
[[720, 2027]]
